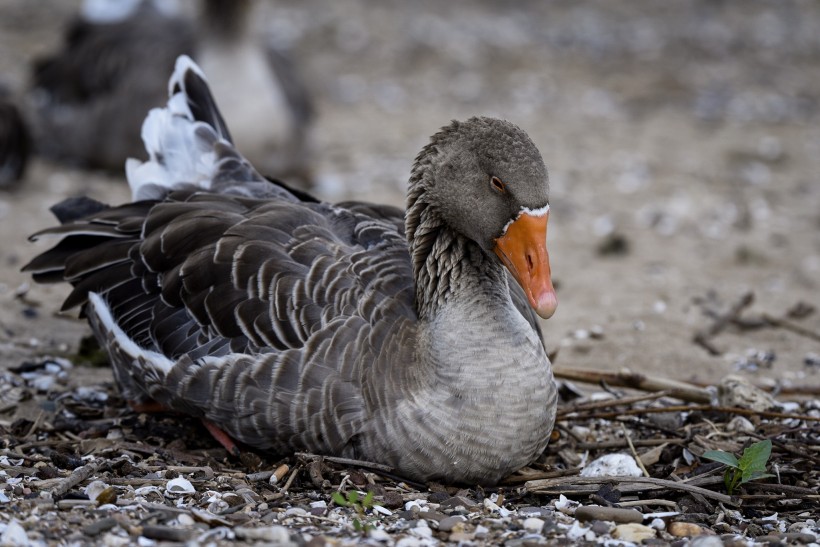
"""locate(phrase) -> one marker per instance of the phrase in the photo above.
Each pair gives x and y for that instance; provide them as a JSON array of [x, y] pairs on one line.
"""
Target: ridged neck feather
[[443, 260]]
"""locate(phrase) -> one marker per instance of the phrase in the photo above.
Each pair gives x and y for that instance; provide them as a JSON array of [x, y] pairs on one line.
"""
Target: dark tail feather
[[200, 100]]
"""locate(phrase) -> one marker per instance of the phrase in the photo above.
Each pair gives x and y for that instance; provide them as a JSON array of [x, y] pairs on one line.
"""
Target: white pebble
[[185, 519], [577, 531], [618, 465], [295, 512], [420, 504], [379, 535], [658, 524], [14, 534], [534, 525], [276, 535]]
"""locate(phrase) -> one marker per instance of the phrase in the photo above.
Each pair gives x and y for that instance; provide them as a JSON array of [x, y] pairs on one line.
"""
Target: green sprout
[[750, 466], [360, 506]]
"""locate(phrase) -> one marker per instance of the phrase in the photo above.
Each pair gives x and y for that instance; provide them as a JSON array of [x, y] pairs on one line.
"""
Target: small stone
[[449, 524], [737, 391], [184, 519], [601, 527], [459, 501], [740, 425], [165, 533], [706, 541], [685, 529], [433, 516], [615, 514], [534, 512], [460, 537], [392, 500], [533, 525], [799, 537], [99, 526], [379, 535], [14, 534], [612, 465], [295, 512], [658, 524], [481, 531], [278, 535], [633, 532]]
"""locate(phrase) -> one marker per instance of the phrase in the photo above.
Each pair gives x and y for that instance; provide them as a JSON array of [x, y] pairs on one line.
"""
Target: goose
[[15, 142], [349, 329], [90, 98]]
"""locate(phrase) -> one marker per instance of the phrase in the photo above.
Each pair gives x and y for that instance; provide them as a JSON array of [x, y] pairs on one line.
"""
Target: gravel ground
[[684, 150]]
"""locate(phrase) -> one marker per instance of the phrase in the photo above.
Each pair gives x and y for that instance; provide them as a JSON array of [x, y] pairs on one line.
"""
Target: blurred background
[[682, 140]]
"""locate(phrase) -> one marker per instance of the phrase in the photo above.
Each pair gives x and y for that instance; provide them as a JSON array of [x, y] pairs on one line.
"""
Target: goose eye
[[498, 185]]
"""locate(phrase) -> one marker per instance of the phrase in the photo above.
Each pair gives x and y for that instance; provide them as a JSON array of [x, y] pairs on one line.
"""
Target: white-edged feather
[[180, 149], [99, 308]]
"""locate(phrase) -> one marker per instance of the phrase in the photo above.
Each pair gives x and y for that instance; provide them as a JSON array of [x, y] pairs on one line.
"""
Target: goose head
[[487, 181]]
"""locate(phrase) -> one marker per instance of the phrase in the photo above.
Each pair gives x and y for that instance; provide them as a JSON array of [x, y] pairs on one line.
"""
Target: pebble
[[165, 533], [534, 512], [619, 465], [295, 512], [533, 524], [379, 535], [685, 529], [451, 523], [788, 538], [99, 526], [459, 501], [14, 534], [706, 541], [633, 532], [460, 537], [615, 514], [740, 425], [273, 534], [602, 527], [481, 531]]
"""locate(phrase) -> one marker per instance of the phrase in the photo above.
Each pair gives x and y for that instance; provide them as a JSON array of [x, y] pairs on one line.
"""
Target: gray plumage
[[299, 325]]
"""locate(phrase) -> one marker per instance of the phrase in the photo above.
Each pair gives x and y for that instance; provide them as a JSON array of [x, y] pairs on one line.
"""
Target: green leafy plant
[[750, 466], [360, 506]]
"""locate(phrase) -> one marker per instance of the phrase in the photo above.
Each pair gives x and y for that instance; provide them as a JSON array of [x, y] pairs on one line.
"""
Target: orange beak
[[523, 250]]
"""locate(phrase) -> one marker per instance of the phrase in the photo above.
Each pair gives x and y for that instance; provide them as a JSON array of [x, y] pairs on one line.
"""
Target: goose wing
[[233, 307]]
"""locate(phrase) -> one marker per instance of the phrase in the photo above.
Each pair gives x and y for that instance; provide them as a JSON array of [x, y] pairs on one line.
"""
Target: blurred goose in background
[[293, 324], [89, 100], [15, 142]]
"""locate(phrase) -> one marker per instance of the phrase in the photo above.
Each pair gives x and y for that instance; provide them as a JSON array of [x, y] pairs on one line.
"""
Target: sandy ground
[[687, 130]]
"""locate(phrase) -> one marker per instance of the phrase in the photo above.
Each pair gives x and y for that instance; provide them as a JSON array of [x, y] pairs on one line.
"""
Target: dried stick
[[788, 325], [703, 408], [634, 452], [77, 476], [348, 461], [621, 443], [586, 485], [673, 388], [703, 337], [609, 403]]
